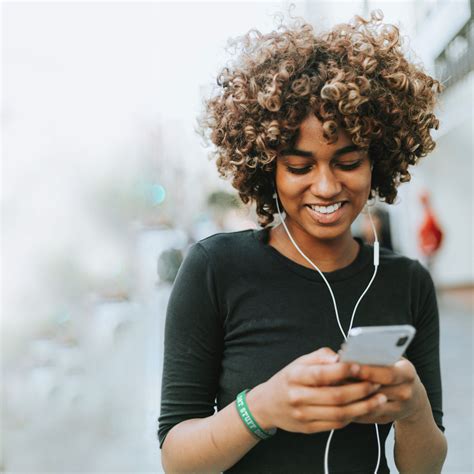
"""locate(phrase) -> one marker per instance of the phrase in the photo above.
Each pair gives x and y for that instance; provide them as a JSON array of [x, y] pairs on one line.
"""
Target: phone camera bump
[[402, 340]]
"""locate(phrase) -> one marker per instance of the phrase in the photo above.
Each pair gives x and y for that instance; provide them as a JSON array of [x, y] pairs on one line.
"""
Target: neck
[[328, 255]]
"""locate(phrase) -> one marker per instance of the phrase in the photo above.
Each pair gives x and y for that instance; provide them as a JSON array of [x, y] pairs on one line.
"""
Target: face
[[322, 187]]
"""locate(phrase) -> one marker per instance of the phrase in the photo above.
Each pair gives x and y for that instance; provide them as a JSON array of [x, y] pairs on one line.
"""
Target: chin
[[326, 234], [329, 236]]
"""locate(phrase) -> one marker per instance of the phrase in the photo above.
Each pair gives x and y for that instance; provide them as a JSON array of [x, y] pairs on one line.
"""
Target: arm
[[191, 366], [213, 444], [193, 437], [413, 388], [420, 446]]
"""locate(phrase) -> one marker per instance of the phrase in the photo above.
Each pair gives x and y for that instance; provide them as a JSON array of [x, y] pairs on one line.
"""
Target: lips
[[331, 218]]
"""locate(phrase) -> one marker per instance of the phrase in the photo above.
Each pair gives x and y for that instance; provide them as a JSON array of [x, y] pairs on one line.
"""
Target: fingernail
[[376, 386], [382, 399], [355, 369]]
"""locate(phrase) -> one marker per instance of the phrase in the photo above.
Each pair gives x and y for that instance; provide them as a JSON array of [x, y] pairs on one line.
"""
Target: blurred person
[[168, 264], [227, 211], [430, 235], [381, 221], [312, 125]]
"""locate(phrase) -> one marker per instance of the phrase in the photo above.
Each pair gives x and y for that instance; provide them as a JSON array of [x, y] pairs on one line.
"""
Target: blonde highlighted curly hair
[[354, 76]]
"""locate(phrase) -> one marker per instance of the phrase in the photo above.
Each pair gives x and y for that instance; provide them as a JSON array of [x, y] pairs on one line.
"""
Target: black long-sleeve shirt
[[240, 311]]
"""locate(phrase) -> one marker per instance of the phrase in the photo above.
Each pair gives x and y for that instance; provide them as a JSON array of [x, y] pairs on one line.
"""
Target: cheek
[[361, 185], [288, 186]]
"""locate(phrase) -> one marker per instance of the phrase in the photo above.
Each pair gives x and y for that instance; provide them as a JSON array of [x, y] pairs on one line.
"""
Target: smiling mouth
[[327, 214], [326, 209]]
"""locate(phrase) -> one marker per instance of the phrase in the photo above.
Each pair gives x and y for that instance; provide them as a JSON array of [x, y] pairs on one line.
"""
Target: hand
[[306, 396], [400, 383]]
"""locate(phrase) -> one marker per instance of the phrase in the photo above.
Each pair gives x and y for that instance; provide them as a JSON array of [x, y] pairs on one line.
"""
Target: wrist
[[422, 407], [257, 401]]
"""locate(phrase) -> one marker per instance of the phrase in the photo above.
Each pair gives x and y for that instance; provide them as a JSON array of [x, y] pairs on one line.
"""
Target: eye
[[349, 166], [302, 170], [345, 166]]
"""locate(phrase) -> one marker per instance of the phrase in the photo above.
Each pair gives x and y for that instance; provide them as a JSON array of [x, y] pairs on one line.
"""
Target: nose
[[325, 184]]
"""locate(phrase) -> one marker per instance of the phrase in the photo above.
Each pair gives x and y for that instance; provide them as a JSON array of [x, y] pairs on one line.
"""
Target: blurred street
[[457, 370]]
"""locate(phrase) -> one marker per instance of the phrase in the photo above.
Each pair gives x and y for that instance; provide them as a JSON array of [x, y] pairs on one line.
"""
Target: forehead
[[311, 134]]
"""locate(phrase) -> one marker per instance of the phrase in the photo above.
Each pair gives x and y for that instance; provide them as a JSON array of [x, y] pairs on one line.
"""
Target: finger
[[384, 414], [332, 395], [401, 392], [322, 375], [391, 375], [344, 413], [325, 355], [374, 415]]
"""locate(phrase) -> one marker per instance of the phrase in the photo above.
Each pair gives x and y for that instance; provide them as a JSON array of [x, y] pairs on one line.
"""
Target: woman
[[314, 125]]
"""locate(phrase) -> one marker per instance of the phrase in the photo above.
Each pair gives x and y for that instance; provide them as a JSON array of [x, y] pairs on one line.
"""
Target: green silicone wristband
[[249, 420]]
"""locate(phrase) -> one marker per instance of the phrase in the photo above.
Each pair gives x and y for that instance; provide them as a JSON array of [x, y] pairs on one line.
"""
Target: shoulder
[[232, 254], [228, 244], [402, 265], [408, 276]]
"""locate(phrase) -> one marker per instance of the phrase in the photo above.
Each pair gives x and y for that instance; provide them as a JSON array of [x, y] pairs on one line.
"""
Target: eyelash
[[306, 169]]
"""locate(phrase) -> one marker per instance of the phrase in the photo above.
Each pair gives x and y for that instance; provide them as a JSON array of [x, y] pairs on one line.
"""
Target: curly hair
[[355, 76]]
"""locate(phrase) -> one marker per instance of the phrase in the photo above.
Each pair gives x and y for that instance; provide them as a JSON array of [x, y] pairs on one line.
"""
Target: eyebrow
[[309, 154]]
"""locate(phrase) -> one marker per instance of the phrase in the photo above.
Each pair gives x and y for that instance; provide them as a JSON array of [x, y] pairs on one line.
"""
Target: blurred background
[[105, 184]]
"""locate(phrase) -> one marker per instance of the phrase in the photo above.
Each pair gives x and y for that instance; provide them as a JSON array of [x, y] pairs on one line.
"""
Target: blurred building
[[444, 43]]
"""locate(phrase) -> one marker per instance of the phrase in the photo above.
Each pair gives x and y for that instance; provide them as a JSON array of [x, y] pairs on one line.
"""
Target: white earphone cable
[[376, 264]]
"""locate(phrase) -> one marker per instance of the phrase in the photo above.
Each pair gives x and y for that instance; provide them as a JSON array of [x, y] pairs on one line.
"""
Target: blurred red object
[[430, 235]]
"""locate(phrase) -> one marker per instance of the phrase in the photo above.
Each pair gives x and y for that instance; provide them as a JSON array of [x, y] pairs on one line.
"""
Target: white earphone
[[376, 264]]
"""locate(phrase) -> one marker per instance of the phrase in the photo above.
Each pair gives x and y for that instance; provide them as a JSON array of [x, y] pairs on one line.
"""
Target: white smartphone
[[376, 345]]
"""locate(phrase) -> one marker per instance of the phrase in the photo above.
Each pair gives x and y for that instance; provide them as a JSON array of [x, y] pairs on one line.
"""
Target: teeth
[[327, 209]]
